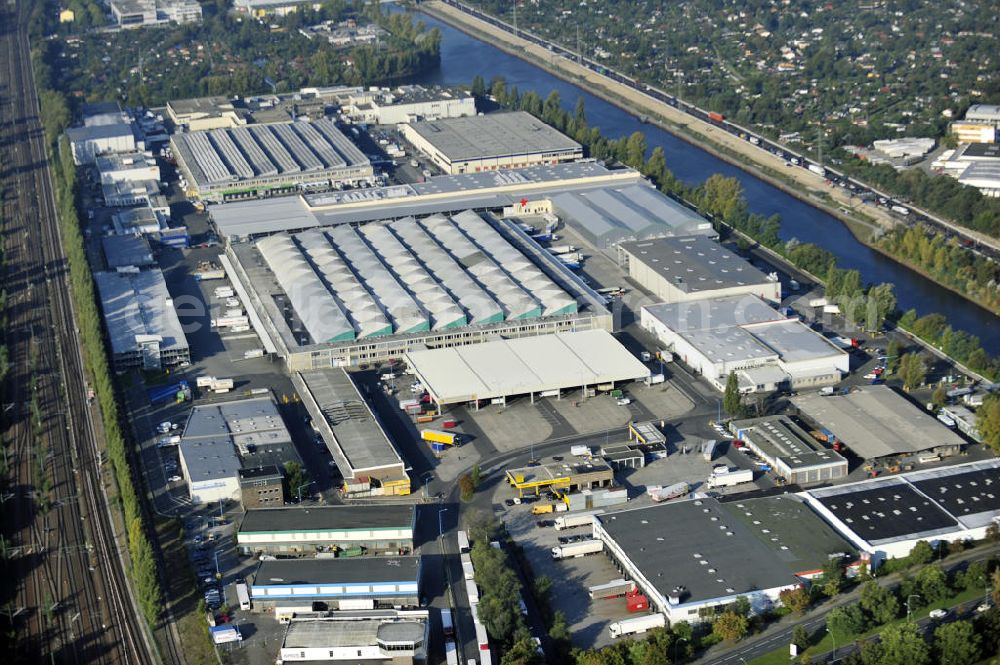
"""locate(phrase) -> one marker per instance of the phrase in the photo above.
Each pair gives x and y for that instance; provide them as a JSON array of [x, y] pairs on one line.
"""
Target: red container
[[717, 117], [636, 602], [448, 424]]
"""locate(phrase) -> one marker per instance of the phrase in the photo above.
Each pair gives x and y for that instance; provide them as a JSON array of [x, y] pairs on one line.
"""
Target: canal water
[[463, 57]]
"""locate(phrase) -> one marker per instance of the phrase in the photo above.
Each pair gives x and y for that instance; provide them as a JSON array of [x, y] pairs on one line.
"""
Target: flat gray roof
[[438, 194], [874, 421], [97, 132], [327, 518], [492, 135], [361, 441], [529, 364], [209, 106], [127, 250], [350, 632], [137, 305], [781, 438], [796, 535], [374, 570], [220, 438], [699, 545], [694, 263], [743, 327], [794, 341], [714, 313]]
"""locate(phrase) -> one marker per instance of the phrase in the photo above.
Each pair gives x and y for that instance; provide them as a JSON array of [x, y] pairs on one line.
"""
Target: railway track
[[66, 589]]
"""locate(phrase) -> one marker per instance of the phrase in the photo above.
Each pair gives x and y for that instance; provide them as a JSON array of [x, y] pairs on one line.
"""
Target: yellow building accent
[[67, 16]]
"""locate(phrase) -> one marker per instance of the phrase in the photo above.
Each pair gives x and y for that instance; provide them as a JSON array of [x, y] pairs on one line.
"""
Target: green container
[[350, 552], [617, 393]]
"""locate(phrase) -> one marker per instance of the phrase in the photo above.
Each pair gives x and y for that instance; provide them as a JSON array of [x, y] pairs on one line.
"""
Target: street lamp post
[[677, 643], [298, 491], [908, 609], [440, 527]]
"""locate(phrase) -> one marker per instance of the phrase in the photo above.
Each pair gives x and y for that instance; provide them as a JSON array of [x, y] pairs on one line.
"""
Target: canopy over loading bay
[[535, 366]]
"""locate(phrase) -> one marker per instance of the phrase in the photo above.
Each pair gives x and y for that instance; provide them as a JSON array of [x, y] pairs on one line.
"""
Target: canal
[[463, 57]]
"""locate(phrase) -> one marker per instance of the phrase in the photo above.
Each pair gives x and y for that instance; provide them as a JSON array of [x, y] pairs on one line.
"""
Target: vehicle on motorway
[[938, 614], [174, 479], [984, 607]]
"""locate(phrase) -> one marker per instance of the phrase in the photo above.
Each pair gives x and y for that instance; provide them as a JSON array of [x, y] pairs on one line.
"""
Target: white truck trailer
[[573, 521], [730, 478], [577, 549], [636, 625]]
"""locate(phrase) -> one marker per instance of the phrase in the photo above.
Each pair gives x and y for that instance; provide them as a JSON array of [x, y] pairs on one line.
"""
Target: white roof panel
[[517, 366]]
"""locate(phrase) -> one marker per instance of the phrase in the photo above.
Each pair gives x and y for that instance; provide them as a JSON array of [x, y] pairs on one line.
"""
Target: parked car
[[623, 401], [174, 479], [541, 524]]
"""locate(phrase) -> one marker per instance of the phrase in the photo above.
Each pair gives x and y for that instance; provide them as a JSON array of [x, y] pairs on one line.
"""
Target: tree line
[[55, 118], [947, 261]]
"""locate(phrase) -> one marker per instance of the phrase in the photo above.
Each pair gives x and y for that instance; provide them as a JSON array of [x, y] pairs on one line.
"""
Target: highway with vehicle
[[69, 599], [902, 210]]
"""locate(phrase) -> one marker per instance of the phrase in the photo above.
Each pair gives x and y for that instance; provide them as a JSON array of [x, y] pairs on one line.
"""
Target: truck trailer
[[577, 549], [708, 449], [573, 521], [636, 625], [439, 436], [612, 589], [731, 478], [659, 494]]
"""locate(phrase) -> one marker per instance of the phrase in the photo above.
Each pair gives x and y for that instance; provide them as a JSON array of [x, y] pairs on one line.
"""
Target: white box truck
[[577, 549], [573, 521], [636, 625]]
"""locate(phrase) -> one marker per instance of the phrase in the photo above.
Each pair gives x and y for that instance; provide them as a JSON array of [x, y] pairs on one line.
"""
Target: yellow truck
[[439, 436]]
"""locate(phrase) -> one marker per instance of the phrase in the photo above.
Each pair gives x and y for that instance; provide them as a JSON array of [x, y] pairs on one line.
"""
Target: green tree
[[894, 351], [881, 303], [732, 402], [902, 644], [921, 553], [476, 476], [833, 576], [845, 622], [521, 653], [656, 167], [880, 603], [800, 637], [478, 87], [730, 626], [932, 584], [940, 395], [295, 478], [988, 421], [957, 643], [912, 371], [976, 576], [635, 150]]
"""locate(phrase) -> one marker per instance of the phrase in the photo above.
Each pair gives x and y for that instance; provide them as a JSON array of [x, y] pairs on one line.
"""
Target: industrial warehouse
[[875, 422], [490, 142], [539, 366], [755, 549], [744, 334], [383, 636], [384, 582], [142, 324], [346, 295], [365, 455], [252, 160], [221, 438], [445, 194], [887, 516], [793, 454], [683, 269], [345, 530]]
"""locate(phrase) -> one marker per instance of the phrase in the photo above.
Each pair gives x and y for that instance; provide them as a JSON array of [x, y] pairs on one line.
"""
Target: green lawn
[[780, 655]]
